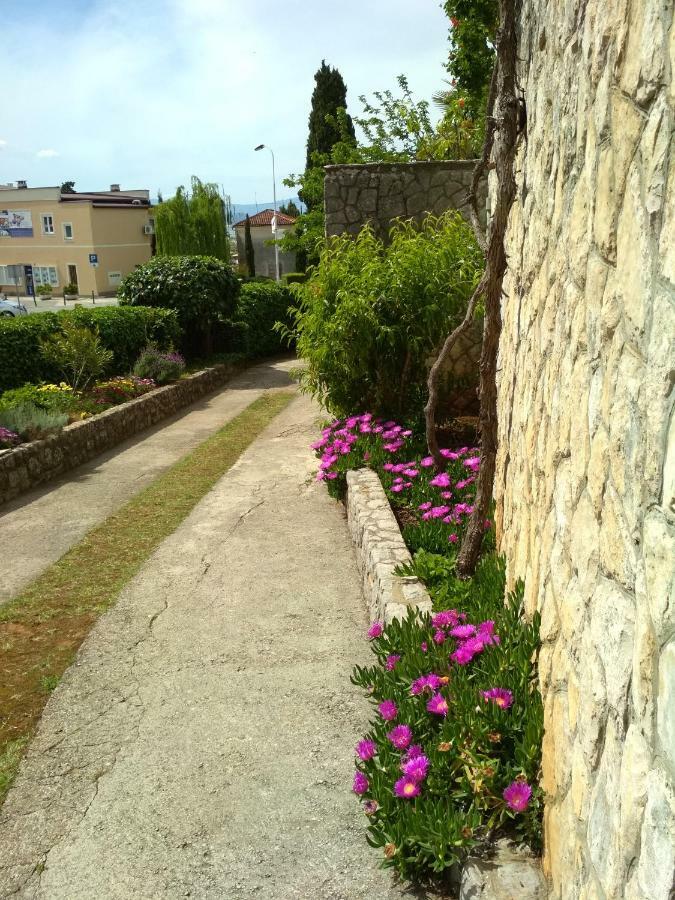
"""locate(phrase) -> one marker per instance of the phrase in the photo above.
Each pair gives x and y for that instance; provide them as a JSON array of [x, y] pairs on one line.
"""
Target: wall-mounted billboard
[[16, 223]]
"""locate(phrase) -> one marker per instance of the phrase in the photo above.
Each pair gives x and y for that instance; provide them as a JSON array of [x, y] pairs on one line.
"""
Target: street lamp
[[274, 218]]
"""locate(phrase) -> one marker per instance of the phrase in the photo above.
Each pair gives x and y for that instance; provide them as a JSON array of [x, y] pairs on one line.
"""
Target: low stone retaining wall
[[380, 549], [29, 465]]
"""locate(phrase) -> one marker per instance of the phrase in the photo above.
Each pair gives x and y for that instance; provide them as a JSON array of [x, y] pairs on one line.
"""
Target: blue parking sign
[[93, 258]]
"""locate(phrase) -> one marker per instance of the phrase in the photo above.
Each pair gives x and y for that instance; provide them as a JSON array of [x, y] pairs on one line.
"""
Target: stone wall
[[586, 478], [33, 464], [380, 192]]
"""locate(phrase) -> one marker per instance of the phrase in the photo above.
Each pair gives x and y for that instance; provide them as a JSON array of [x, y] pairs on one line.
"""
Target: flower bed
[[451, 760]]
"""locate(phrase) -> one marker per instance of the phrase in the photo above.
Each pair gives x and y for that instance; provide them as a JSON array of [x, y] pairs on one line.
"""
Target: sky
[[147, 93]]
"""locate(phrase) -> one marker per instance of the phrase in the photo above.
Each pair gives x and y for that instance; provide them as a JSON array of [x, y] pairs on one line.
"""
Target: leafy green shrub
[[203, 291], [295, 277], [71, 289], [54, 397], [160, 367], [45, 290], [452, 756], [124, 331], [30, 422], [260, 307], [78, 354], [372, 314]]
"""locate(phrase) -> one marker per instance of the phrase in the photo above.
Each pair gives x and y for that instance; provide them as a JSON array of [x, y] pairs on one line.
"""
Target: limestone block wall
[[380, 192], [586, 477]]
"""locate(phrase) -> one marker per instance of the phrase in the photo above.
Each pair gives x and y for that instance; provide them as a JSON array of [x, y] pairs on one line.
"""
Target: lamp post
[[274, 218]]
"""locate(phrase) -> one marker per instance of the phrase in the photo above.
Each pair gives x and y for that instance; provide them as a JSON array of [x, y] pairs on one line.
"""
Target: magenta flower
[[437, 512], [391, 661], [361, 783], [438, 705], [400, 736], [466, 651], [431, 682], [425, 506], [473, 463], [439, 637], [427, 462], [463, 631], [407, 788], [445, 618], [424, 647], [366, 750], [486, 633], [453, 538], [500, 696], [388, 710], [517, 795], [416, 768], [375, 630], [441, 480], [413, 751]]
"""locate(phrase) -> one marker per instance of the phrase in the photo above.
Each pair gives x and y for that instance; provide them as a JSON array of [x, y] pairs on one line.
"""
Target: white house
[[261, 235]]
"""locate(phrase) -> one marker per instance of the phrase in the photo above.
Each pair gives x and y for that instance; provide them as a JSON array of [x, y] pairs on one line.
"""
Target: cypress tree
[[330, 93], [248, 248]]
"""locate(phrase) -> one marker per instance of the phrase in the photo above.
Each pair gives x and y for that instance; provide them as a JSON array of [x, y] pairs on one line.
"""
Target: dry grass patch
[[41, 630]]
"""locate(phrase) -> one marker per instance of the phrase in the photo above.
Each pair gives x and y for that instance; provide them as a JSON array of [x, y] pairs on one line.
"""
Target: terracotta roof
[[265, 218]]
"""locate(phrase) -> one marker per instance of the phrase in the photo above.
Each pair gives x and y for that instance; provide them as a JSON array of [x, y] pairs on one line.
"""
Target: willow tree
[[194, 223]]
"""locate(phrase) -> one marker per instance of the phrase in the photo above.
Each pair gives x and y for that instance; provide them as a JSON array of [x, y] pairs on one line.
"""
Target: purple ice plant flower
[[445, 618], [500, 696], [407, 788], [366, 750], [391, 661], [517, 795], [463, 631], [452, 538], [438, 705], [375, 630], [416, 768], [441, 480], [413, 751], [427, 462], [425, 506], [361, 783], [425, 682], [400, 736], [472, 463], [388, 710]]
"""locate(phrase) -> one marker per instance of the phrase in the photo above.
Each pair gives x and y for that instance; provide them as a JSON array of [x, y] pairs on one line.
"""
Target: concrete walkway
[[37, 528], [201, 745]]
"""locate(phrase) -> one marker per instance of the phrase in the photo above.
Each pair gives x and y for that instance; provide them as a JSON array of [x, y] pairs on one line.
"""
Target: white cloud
[[210, 80], [2, 144]]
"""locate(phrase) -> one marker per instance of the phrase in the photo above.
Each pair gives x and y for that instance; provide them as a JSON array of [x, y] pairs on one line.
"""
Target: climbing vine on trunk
[[499, 151]]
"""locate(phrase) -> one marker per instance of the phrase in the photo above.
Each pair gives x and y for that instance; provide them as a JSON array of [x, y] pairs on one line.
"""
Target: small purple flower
[[438, 705], [453, 538], [427, 462], [375, 630], [500, 696], [391, 661], [361, 783], [425, 506], [416, 768], [473, 463], [400, 736], [463, 631], [366, 750], [407, 788], [413, 751], [441, 480], [517, 795], [388, 710]]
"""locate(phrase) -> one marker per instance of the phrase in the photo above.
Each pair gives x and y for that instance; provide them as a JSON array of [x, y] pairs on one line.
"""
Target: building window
[[45, 275], [8, 275], [47, 223], [67, 231]]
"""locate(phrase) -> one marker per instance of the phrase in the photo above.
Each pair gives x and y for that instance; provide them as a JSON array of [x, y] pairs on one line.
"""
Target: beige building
[[90, 239], [262, 237]]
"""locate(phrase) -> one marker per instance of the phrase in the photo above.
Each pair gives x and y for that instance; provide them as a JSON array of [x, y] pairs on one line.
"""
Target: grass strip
[[42, 628]]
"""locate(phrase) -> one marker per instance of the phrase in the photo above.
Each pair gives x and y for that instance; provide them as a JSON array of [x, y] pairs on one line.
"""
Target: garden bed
[[448, 770], [32, 464]]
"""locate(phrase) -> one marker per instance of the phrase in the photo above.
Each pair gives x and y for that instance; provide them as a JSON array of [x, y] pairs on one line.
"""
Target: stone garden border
[[30, 465], [380, 548]]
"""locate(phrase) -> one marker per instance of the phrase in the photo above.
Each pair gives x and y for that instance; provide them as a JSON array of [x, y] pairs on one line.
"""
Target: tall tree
[[193, 223], [68, 187], [290, 209], [248, 248], [330, 94]]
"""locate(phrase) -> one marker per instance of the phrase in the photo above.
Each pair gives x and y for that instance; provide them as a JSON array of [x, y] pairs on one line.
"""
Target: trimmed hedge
[[296, 277], [261, 305], [124, 330]]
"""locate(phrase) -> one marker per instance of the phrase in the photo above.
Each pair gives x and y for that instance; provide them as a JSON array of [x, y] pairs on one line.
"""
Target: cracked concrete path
[[37, 528], [202, 743]]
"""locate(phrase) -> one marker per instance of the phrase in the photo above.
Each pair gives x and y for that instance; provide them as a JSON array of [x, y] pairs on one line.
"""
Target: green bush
[[78, 354], [52, 397], [124, 330], [295, 277], [260, 307], [372, 314], [160, 367], [30, 422], [44, 290], [203, 291]]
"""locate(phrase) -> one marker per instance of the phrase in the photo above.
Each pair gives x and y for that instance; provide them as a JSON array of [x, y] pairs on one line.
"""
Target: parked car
[[9, 309]]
